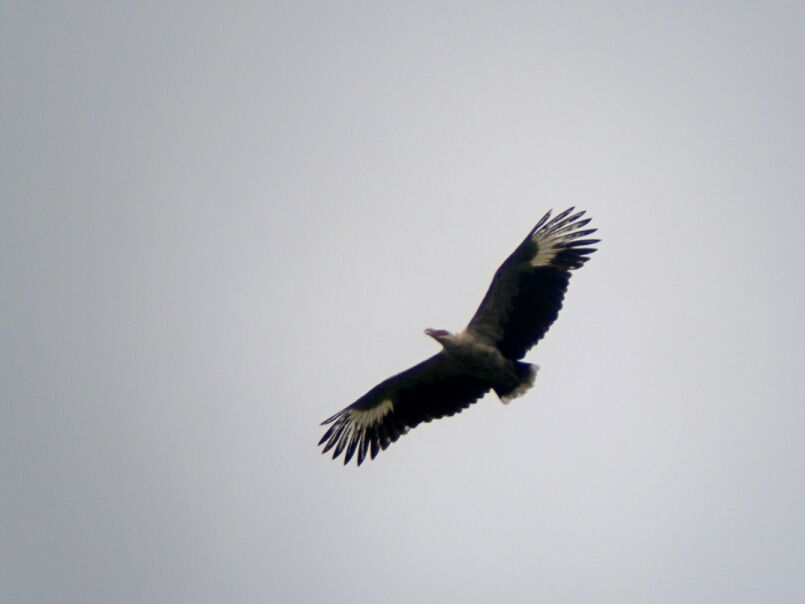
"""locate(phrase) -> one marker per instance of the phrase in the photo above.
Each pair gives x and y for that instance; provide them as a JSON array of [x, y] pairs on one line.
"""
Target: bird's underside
[[522, 302]]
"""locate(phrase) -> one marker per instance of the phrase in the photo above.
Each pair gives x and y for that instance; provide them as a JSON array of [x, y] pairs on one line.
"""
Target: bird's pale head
[[438, 334]]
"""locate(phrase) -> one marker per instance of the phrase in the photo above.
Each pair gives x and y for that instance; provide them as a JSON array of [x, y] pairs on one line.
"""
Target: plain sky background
[[221, 224]]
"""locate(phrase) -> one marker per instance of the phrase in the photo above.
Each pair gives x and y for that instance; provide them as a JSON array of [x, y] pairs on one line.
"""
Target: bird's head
[[440, 335]]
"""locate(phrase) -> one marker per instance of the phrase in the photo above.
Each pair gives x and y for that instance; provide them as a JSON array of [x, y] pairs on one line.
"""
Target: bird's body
[[479, 357], [522, 302]]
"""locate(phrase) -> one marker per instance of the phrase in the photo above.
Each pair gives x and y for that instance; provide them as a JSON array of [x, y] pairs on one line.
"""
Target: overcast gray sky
[[222, 224]]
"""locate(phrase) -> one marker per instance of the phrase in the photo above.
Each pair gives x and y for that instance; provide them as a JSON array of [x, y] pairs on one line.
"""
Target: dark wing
[[527, 291], [432, 389]]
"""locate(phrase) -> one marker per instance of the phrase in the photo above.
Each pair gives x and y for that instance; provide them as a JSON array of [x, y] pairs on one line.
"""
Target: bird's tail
[[526, 374]]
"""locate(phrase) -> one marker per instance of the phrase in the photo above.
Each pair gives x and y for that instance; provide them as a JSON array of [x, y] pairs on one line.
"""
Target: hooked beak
[[436, 334]]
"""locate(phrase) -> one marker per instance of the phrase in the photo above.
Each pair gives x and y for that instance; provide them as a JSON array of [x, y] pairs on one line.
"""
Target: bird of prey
[[522, 302]]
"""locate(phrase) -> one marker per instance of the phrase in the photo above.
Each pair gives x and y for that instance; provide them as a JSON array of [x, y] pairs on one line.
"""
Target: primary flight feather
[[522, 302]]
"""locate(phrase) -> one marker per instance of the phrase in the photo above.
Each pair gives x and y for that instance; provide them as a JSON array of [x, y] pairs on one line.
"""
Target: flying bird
[[522, 302]]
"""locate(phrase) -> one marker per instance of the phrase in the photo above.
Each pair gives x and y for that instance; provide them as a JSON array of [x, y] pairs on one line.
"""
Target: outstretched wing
[[526, 293], [432, 389]]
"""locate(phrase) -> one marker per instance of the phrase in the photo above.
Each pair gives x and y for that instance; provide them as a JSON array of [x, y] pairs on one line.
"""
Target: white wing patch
[[556, 235], [364, 418], [547, 250], [354, 430]]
